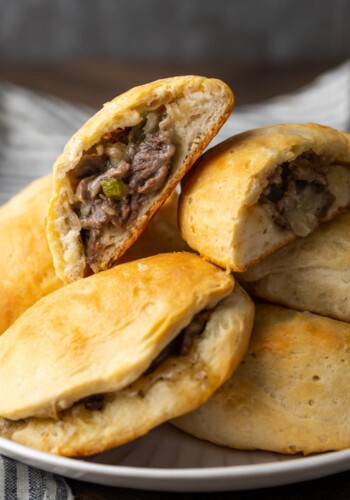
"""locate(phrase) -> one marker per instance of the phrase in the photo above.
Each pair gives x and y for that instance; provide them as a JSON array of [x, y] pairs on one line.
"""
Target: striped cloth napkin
[[21, 482], [33, 131], [325, 101], [34, 128]]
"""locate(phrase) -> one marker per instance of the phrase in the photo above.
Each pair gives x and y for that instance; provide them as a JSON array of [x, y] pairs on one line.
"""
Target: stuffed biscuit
[[104, 360], [26, 268], [311, 273], [259, 190], [119, 168], [291, 392]]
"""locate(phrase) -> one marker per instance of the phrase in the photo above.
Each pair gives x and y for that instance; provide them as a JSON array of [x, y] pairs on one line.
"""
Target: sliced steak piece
[[151, 162]]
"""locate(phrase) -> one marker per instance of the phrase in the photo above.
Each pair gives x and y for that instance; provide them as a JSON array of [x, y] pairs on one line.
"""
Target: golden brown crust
[[99, 334], [178, 385], [63, 226], [26, 267], [291, 392], [218, 211], [316, 268]]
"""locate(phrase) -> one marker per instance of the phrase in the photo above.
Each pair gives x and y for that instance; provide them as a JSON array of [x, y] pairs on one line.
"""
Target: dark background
[[91, 50], [243, 31]]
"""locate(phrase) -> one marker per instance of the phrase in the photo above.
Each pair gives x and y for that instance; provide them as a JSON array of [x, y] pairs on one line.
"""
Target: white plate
[[169, 460], [33, 131]]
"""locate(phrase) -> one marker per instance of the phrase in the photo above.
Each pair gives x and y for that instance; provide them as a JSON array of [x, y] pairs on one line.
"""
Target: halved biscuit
[[259, 190], [119, 168]]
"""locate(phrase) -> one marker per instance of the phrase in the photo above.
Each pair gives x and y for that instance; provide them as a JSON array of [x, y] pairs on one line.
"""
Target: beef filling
[[180, 346], [117, 176], [297, 194], [94, 403]]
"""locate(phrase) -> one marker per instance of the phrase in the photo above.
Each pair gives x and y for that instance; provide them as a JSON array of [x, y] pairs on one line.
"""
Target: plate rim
[[330, 458]]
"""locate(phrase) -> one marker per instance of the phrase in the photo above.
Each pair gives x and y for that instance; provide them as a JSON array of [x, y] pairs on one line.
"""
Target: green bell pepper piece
[[114, 188]]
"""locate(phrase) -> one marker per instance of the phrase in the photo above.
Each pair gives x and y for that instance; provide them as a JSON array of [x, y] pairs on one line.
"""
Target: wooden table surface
[[93, 83], [96, 82]]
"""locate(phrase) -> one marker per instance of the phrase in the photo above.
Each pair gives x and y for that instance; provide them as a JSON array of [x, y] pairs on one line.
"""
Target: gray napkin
[[34, 128], [325, 101], [20, 482], [33, 131]]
